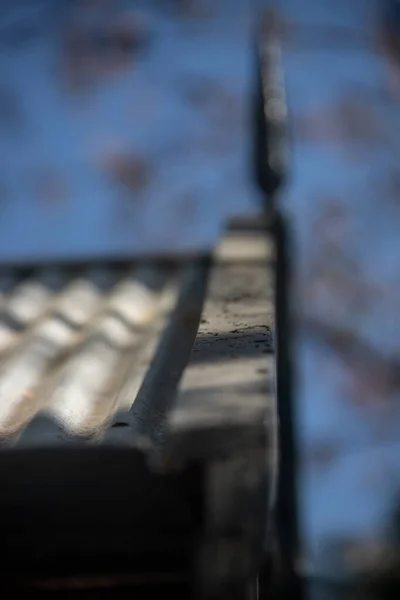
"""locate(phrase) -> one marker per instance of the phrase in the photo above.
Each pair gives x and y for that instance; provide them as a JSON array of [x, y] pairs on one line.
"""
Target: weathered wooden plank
[[227, 394]]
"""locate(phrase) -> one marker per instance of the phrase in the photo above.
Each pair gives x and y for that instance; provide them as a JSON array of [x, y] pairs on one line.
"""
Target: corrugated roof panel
[[66, 339]]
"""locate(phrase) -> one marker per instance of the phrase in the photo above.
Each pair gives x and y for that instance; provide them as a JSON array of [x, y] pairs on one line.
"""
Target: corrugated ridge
[[66, 359]]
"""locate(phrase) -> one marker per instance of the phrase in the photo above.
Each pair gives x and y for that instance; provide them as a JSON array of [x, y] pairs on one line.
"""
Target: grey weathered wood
[[226, 396]]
